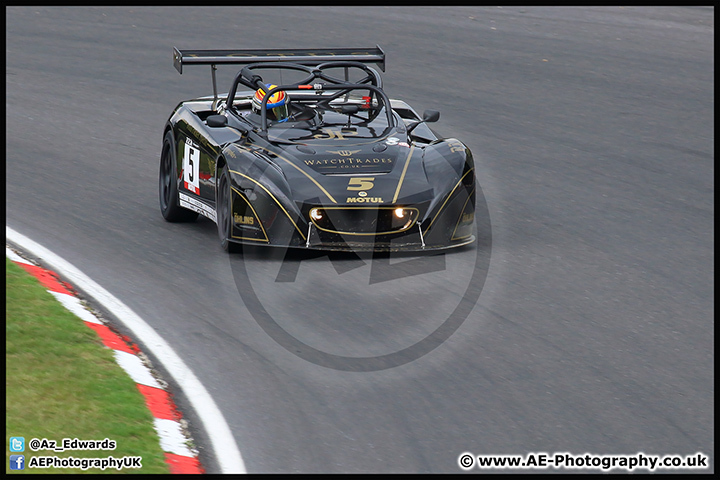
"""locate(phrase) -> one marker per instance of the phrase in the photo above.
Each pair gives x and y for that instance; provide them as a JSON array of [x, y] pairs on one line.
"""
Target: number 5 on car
[[191, 168], [361, 183]]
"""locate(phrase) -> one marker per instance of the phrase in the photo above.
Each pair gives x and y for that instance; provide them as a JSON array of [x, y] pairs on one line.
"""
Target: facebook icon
[[17, 462]]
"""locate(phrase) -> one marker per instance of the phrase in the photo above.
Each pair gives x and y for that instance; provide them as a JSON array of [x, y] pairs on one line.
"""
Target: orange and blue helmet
[[277, 105]]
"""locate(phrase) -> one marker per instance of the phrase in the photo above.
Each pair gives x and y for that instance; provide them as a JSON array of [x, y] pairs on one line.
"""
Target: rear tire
[[224, 213], [168, 185]]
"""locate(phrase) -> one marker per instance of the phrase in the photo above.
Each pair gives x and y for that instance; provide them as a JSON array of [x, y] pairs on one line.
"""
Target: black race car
[[307, 151]]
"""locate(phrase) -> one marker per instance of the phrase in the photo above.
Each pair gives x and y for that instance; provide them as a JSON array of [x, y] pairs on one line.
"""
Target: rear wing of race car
[[304, 56]]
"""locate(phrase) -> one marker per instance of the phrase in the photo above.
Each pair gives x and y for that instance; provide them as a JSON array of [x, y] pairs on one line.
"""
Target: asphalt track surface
[[590, 328]]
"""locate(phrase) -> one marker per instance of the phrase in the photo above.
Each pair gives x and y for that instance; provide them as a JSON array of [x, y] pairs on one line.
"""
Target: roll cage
[[318, 87]]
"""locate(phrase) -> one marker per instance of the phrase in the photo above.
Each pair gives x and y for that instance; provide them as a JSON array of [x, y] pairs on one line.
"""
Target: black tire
[[168, 189], [224, 213]]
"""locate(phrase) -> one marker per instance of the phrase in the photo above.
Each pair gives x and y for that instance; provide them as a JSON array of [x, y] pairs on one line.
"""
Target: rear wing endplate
[[304, 56]]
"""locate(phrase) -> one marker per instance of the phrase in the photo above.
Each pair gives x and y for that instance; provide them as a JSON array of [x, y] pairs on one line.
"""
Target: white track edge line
[[223, 442]]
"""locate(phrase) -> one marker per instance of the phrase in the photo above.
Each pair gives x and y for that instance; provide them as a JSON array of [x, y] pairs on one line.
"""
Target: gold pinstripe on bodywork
[[301, 171], [256, 216], [402, 176], [448, 198], [274, 199], [460, 218]]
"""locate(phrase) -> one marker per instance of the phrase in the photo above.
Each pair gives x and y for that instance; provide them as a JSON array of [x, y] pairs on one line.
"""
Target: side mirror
[[216, 121], [430, 116]]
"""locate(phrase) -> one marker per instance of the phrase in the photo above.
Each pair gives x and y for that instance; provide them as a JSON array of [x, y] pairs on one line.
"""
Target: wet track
[[581, 322]]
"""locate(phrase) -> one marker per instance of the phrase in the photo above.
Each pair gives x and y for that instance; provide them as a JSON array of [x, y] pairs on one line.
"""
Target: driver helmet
[[277, 104]]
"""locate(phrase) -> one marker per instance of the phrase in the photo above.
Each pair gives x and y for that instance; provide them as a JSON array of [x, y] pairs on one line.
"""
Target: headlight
[[316, 214]]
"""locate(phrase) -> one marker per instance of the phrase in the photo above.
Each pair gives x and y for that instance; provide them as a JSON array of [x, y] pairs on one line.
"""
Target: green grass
[[61, 382]]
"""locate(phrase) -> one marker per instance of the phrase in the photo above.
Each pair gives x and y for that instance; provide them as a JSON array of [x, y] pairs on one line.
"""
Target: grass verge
[[62, 382]]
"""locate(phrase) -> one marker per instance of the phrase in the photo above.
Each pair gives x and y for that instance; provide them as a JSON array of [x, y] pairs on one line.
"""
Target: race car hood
[[336, 151], [355, 171]]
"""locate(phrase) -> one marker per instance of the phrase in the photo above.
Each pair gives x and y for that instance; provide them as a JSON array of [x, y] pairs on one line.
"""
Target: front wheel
[[169, 207], [224, 213]]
